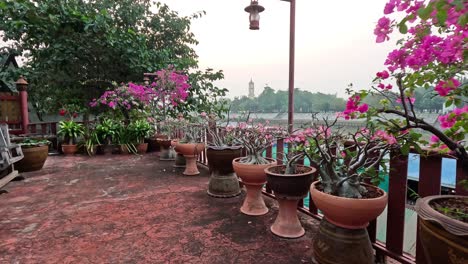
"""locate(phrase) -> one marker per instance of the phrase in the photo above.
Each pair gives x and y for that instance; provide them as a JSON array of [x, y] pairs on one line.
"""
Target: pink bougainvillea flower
[[363, 108], [434, 139], [388, 87], [62, 112], [443, 88], [383, 75], [383, 29]]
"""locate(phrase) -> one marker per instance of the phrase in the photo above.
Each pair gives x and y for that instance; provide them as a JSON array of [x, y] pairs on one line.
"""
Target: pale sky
[[335, 44]]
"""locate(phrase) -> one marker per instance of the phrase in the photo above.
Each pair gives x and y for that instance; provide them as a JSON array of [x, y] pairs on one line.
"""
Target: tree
[[76, 48]]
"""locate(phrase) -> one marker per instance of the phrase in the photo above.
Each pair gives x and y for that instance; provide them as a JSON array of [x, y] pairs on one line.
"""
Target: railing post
[[22, 87], [396, 202]]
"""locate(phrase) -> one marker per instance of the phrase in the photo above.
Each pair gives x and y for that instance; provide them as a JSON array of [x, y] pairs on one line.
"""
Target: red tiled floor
[[134, 209]]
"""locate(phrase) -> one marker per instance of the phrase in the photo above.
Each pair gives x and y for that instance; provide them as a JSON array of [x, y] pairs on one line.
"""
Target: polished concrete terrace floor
[[134, 209]]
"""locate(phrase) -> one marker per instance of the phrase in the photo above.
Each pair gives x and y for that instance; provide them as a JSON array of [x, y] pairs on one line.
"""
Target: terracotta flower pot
[[443, 239], [69, 149], [142, 148], [289, 189], [253, 177], [346, 212], [223, 181], [190, 152], [106, 149], [342, 235], [34, 158], [180, 161]]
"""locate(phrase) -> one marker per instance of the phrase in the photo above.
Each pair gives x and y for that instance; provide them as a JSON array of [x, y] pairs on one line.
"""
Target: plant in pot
[[91, 141], [345, 162], [430, 59], [290, 183], [191, 145], [35, 154], [255, 138], [108, 132], [70, 131], [126, 141], [221, 151], [167, 129], [140, 129]]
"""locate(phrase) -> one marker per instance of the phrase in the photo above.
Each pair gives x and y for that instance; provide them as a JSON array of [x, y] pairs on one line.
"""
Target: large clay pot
[[342, 235], [142, 148], [288, 190], [347, 212], [34, 158], [153, 145], [167, 153], [253, 176], [223, 181], [69, 149], [190, 152], [106, 149], [443, 239]]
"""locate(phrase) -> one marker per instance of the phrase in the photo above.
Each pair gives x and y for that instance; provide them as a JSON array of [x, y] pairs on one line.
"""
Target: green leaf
[[425, 13], [403, 28]]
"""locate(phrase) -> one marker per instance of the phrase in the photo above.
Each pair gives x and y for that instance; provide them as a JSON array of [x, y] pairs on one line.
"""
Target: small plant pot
[[289, 189], [190, 152], [106, 149], [443, 238], [253, 176], [69, 149], [142, 148], [223, 181]]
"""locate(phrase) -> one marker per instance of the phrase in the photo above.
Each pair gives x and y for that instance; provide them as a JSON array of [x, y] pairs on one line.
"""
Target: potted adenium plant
[[35, 154], [255, 138], [221, 151], [70, 131], [431, 56], [191, 145], [345, 162]]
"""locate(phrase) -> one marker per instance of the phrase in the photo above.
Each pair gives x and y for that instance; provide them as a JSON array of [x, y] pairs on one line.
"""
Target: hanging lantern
[[254, 9]]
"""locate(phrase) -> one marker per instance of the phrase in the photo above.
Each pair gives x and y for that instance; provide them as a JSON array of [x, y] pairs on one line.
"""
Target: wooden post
[[22, 87]]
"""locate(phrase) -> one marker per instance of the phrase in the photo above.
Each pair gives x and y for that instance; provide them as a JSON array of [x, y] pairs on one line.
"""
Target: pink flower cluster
[[171, 87], [383, 29], [353, 107], [443, 88], [125, 97], [382, 135], [449, 120]]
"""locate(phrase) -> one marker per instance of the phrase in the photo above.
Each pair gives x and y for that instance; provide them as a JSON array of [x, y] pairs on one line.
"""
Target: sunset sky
[[335, 44]]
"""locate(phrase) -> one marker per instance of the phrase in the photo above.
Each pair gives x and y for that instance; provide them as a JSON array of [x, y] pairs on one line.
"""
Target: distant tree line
[[271, 101]]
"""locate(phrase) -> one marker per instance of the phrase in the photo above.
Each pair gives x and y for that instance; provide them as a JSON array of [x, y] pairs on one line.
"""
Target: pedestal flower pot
[[288, 190], [180, 161], [190, 152], [167, 152], [69, 149], [223, 181], [153, 145], [34, 158], [444, 239], [344, 224], [142, 148], [253, 177]]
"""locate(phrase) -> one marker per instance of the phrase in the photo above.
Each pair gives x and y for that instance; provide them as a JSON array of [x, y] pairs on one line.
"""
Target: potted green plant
[[108, 132], [255, 138], [70, 131], [140, 129], [35, 154], [221, 151], [168, 129]]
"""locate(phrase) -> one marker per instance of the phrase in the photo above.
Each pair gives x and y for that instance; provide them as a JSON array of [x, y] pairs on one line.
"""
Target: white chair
[[9, 154]]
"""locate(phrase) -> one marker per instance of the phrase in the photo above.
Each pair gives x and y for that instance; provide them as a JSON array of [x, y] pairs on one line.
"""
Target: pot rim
[[428, 213], [236, 160], [351, 199], [268, 172], [223, 147], [69, 145]]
